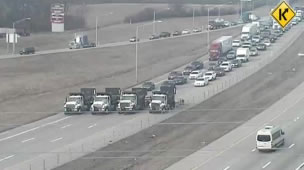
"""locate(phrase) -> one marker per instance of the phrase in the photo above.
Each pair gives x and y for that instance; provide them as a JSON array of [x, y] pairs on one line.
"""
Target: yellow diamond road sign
[[283, 14]]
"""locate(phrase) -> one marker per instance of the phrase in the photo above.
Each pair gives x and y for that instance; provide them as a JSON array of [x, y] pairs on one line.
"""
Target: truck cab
[[128, 101], [74, 103], [159, 102], [102, 103], [106, 102]]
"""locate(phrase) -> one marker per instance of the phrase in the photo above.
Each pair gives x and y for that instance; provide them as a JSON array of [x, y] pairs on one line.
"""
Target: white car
[[236, 43], [210, 75], [226, 65], [196, 30], [299, 19], [253, 51], [201, 81], [256, 39], [267, 42], [294, 21], [186, 31], [195, 74]]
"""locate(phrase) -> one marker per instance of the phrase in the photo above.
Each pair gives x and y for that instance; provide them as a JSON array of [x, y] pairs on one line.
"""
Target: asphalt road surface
[[112, 34], [35, 87], [58, 139], [189, 131]]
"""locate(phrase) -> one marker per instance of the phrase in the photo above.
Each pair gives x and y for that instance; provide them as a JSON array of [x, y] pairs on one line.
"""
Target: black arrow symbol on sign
[[282, 14]]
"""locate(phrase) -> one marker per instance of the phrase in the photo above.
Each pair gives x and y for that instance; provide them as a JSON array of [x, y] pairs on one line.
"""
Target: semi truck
[[220, 47], [81, 101], [162, 100], [106, 102], [248, 31], [81, 41], [132, 101], [216, 24]]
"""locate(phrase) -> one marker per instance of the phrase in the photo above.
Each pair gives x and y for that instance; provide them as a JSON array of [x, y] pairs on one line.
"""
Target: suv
[[197, 65], [231, 55], [174, 74], [28, 50]]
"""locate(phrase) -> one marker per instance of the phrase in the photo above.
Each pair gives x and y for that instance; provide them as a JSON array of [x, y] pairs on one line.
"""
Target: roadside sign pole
[[14, 38], [136, 53], [96, 33]]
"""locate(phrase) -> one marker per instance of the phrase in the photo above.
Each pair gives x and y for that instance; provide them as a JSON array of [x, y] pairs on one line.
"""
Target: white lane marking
[[92, 126], [254, 149], [56, 121], [301, 166], [27, 140], [245, 137], [8, 157], [65, 126], [267, 164], [292, 145], [33, 129], [228, 167], [55, 140]]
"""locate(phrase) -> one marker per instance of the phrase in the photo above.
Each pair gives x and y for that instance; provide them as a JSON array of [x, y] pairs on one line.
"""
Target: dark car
[[28, 50], [170, 82], [261, 47], [154, 37], [231, 55], [197, 65], [174, 74], [179, 80], [164, 34], [188, 70], [177, 33], [219, 71], [213, 65], [236, 63], [148, 85]]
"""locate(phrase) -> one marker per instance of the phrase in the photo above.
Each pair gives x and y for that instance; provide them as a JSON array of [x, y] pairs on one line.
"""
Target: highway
[[32, 145], [236, 150], [113, 44], [47, 79], [188, 131]]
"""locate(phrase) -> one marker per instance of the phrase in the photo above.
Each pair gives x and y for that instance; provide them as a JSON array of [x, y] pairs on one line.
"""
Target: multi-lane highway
[[190, 130], [35, 87], [58, 139], [230, 112]]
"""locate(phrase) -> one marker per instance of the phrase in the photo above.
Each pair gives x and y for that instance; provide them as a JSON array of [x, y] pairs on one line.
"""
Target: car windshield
[[208, 74], [263, 138], [194, 72], [132, 98], [159, 97], [200, 79], [225, 64], [73, 99], [147, 84], [101, 98]]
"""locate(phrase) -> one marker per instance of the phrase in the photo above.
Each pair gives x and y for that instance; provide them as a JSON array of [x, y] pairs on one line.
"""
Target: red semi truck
[[220, 47]]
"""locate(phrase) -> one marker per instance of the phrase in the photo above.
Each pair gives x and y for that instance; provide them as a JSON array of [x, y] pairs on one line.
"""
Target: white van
[[242, 54], [269, 138]]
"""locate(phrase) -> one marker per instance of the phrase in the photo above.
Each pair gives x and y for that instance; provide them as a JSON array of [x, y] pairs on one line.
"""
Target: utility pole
[[193, 15], [154, 17], [96, 33]]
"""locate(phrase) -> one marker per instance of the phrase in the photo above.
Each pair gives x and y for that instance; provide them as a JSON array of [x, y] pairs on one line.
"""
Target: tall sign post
[[57, 17]]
